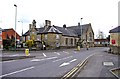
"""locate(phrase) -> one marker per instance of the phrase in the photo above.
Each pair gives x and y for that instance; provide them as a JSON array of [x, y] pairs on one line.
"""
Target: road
[[54, 63]]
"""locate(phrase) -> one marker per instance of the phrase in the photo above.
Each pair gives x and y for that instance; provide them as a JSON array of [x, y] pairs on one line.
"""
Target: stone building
[[55, 36], [115, 40]]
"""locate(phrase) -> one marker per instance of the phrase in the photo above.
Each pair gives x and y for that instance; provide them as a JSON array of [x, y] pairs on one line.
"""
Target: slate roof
[[115, 30], [68, 31], [52, 29], [40, 30]]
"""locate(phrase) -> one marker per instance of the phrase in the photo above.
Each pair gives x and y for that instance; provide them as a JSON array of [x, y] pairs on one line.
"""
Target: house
[[8, 37], [115, 40], [101, 42], [55, 36], [1, 45]]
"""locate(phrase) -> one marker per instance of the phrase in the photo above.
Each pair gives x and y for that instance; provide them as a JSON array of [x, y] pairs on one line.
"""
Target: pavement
[[100, 65]]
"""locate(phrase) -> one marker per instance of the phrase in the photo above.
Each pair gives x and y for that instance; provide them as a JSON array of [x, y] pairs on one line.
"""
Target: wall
[[86, 37], [10, 33], [116, 37], [63, 41]]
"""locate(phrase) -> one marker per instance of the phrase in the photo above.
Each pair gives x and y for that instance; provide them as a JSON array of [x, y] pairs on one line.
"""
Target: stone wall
[[69, 44], [115, 49]]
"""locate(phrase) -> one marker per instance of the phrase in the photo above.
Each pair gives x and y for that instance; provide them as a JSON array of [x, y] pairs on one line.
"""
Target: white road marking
[[17, 71], [35, 60], [108, 63], [64, 64], [73, 60], [67, 63], [63, 58], [43, 59], [44, 55], [57, 53], [66, 52]]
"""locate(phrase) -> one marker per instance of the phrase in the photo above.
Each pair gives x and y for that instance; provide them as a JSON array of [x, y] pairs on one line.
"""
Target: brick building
[[101, 42], [1, 45], [9, 34]]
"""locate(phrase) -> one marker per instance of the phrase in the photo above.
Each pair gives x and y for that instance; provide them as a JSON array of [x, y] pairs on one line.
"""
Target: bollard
[[78, 48], [27, 52]]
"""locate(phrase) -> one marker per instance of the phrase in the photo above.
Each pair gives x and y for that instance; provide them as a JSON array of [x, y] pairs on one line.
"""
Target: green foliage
[[30, 43]]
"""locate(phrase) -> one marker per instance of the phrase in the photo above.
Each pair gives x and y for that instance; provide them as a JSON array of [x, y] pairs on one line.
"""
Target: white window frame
[[57, 36], [45, 36], [0, 38]]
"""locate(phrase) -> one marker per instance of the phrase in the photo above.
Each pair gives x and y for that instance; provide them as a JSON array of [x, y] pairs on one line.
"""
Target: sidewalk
[[100, 65]]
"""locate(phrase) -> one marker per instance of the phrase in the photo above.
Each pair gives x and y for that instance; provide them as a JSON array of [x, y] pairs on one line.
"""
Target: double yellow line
[[76, 69]]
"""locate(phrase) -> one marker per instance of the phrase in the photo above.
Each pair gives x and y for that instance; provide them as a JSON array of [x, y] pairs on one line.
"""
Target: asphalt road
[[53, 63]]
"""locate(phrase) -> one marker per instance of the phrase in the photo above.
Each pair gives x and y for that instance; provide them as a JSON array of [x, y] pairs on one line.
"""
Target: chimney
[[34, 23], [78, 24], [64, 26], [29, 26], [47, 24]]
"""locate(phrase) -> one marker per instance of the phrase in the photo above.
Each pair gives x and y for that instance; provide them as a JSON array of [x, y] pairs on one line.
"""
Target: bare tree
[[101, 35], [41, 25]]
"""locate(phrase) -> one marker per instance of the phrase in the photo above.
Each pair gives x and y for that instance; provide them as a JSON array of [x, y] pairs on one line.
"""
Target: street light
[[81, 28], [15, 22], [22, 26]]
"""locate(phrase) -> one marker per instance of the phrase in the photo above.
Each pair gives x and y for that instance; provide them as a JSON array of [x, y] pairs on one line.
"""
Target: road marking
[[63, 58], [67, 63], [64, 64], [108, 63], [73, 60], [75, 69], [66, 52], [44, 55], [57, 53], [75, 52], [43, 59], [17, 71]]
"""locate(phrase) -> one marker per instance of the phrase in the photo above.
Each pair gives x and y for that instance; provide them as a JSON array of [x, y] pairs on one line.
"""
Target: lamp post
[[22, 26], [81, 28], [15, 22]]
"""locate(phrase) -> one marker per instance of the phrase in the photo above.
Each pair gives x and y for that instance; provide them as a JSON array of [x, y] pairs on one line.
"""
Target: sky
[[102, 14]]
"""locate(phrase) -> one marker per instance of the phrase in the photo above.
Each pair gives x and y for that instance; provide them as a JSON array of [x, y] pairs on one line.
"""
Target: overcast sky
[[102, 14]]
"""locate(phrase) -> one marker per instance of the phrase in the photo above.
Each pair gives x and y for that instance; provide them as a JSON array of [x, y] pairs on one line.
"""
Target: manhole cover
[[108, 63]]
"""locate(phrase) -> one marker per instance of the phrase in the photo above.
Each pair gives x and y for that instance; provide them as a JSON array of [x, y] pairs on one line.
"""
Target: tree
[[100, 35], [30, 43]]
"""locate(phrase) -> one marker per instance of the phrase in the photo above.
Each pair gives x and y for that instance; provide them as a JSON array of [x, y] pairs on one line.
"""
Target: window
[[71, 41], [0, 38], [0, 32], [90, 38], [66, 41], [45, 36], [75, 42], [28, 37], [57, 36]]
